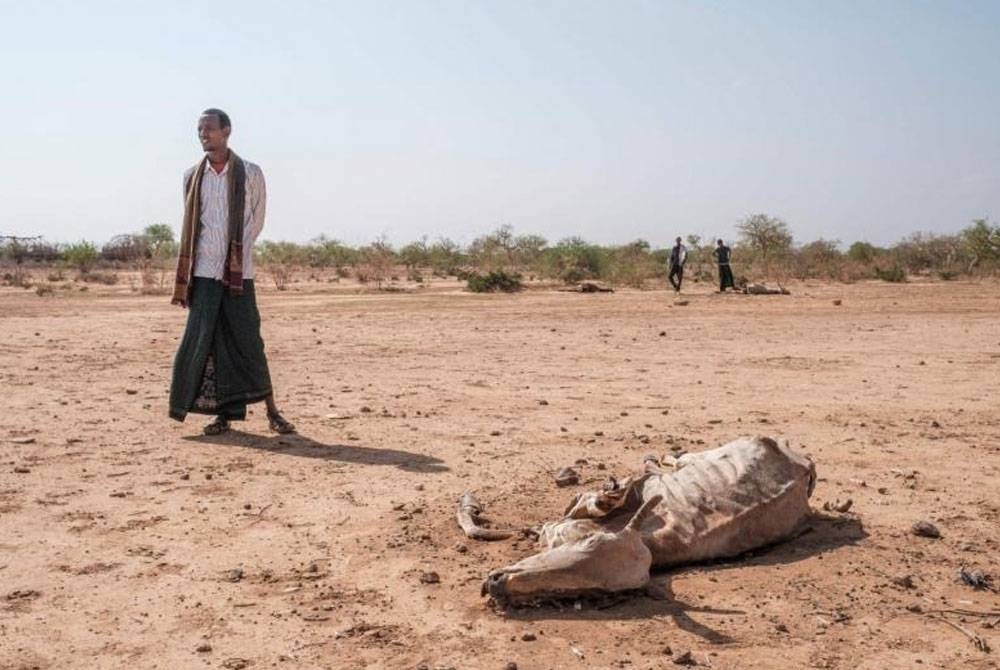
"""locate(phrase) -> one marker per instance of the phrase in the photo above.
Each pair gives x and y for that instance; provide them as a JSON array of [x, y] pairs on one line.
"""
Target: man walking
[[722, 255], [220, 366], [678, 255]]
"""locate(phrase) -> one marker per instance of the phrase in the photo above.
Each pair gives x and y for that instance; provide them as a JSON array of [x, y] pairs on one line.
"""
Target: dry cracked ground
[[131, 541]]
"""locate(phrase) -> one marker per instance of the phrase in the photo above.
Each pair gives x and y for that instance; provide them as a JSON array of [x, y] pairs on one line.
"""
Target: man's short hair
[[720, 241], [221, 115]]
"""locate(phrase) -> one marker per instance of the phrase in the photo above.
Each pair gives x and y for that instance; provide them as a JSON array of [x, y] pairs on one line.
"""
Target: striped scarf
[[232, 275]]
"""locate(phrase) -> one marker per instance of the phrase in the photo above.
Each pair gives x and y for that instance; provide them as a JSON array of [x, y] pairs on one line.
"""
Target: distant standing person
[[678, 255], [722, 255], [220, 365]]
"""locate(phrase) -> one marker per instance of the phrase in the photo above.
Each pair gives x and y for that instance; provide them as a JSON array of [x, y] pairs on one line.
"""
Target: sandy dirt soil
[[131, 541]]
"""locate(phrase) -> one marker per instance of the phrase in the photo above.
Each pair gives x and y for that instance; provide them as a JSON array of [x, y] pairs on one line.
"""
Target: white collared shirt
[[213, 238]]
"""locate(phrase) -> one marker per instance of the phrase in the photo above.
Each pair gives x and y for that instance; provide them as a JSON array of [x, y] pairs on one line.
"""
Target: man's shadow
[[304, 447], [821, 533]]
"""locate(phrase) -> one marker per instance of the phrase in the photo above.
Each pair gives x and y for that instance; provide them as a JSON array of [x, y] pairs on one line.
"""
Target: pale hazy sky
[[610, 120]]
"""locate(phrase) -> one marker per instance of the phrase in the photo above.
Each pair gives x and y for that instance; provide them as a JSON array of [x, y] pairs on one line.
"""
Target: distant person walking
[[722, 255], [678, 256], [220, 365]]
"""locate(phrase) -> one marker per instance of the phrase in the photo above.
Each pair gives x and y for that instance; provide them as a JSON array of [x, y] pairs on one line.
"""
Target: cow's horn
[[643, 512]]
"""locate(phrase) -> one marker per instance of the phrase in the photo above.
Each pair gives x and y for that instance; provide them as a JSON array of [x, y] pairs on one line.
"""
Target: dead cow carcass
[[719, 503]]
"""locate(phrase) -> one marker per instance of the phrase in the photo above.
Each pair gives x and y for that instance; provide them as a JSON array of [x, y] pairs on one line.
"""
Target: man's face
[[211, 134]]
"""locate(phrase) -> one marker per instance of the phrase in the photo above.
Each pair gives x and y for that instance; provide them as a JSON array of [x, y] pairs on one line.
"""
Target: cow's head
[[602, 562]]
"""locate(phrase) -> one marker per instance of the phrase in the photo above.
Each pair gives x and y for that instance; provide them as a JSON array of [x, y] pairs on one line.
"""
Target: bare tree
[[768, 237]]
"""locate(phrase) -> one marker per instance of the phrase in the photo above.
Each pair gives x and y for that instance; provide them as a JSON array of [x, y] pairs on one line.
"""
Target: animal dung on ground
[[567, 477], [925, 529]]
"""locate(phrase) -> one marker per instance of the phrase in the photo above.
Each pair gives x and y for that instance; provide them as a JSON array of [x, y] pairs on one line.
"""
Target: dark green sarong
[[220, 366]]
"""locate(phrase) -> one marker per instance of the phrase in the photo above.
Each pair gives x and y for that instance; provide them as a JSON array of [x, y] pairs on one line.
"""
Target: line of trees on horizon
[[765, 251]]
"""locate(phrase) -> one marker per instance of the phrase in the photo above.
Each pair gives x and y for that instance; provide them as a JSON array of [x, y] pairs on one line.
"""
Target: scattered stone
[[365, 409], [567, 477], [904, 581], [663, 333], [186, 476], [235, 663], [543, 402], [682, 303], [837, 302], [495, 433], [21, 470], [529, 637], [687, 658], [977, 579], [915, 607], [781, 628], [430, 578], [511, 665], [838, 506], [203, 648], [234, 575], [461, 548], [925, 529], [22, 440], [131, 391], [935, 424]]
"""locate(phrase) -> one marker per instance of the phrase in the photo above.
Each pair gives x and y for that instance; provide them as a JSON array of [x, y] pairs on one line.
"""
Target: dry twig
[[979, 642]]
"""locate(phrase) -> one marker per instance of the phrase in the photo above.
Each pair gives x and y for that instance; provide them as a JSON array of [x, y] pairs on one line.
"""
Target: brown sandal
[[217, 427], [279, 424]]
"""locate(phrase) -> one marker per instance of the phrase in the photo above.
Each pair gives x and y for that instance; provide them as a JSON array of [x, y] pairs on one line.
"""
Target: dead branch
[[977, 641]]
